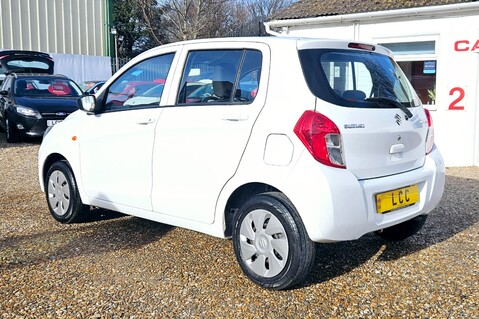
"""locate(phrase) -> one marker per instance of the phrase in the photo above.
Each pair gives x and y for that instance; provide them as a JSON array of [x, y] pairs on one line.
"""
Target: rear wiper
[[392, 102]]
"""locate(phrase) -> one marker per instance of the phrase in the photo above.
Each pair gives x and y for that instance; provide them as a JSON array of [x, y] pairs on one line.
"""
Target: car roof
[[298, 42]]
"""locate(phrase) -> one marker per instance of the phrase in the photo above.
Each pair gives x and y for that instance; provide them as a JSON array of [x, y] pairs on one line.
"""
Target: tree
[[193, 19], [144, 24], [266, 9], [138, 23]]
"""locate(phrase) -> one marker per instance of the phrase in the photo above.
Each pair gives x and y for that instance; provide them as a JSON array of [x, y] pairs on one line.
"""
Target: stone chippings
[[118, 266]]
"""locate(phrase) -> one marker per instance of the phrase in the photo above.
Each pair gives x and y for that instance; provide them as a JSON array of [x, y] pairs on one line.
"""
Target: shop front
[[437, 48]]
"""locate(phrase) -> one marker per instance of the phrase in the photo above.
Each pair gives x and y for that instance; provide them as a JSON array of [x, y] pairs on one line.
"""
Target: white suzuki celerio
[[277, 143]]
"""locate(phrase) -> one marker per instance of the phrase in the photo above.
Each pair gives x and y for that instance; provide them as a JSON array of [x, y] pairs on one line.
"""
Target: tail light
[[430, 132], [321, 137]]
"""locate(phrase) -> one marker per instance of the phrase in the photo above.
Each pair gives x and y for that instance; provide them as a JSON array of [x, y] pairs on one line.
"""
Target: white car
[[302, 141]]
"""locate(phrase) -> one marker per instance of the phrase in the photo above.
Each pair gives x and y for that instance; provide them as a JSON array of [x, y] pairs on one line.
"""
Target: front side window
[[220, 76], [356, 79], [140, 86]]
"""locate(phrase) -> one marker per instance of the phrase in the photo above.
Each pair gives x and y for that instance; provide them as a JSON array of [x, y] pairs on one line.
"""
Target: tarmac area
[[116, 266]]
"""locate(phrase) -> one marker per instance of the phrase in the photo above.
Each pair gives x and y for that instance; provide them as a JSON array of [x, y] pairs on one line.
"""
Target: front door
[[117, 145]]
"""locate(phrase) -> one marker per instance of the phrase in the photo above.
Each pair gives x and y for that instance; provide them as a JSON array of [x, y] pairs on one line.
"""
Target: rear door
[[201, 137], [383, 127]]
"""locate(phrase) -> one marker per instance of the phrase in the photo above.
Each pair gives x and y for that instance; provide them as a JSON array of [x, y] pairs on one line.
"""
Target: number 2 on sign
[[454, 105]]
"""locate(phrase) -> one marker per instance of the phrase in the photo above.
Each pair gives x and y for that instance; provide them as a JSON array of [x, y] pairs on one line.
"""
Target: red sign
[[466, 45]]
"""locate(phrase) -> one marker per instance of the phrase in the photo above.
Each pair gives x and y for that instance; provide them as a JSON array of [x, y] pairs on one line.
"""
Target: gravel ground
[[126, 267]]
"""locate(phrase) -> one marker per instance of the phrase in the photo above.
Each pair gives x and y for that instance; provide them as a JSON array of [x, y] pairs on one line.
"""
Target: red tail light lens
[[321, 137], [430, 132]]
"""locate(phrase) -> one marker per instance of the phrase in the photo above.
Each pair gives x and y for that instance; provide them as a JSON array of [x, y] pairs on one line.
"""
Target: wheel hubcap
[[58, 193], [264, 244]]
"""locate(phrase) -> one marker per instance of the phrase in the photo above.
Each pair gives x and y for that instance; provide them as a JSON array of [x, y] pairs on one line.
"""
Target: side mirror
[[87, 103], [3, 92]]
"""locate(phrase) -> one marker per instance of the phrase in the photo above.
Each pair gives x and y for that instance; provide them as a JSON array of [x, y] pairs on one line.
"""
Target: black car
[[21, 61], [29, 103]]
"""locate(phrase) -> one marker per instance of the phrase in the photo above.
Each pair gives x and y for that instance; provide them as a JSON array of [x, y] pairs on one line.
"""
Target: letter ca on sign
[[458, 93], [466, 45]]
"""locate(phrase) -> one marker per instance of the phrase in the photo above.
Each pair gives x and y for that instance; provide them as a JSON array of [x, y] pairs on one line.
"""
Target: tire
[[62, 194], [271, 243], [403, 230], [11, 135]]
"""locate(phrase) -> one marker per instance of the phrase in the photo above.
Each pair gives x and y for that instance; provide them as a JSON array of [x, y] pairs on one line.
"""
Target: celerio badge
[[354, 126]]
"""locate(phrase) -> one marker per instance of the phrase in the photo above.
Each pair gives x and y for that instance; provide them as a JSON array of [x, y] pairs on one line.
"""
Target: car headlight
[[27, 111]]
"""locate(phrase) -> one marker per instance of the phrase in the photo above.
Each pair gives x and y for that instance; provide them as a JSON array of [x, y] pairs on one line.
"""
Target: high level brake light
[[321, 137], [361, 46]]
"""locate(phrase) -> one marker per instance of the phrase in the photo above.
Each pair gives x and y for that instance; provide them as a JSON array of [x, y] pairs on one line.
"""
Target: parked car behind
[[340, 149], [91, 87], [20, 61], [29, 103]]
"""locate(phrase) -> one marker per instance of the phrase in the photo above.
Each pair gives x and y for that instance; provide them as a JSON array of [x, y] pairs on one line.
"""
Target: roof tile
[[319, 8]]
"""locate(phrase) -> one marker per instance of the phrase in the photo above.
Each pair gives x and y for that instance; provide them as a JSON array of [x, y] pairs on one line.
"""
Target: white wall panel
[[455, 114]]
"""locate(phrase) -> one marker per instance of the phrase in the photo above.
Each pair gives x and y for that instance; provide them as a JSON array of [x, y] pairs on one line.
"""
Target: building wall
[[456, 38], [56, 26]]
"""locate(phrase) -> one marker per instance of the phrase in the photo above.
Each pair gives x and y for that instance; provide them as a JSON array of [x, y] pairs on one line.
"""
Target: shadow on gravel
[[105, 233], [24, 142], [456, 213]]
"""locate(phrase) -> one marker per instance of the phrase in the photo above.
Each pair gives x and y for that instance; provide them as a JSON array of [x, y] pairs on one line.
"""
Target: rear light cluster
[[430, 132], [321, 137]]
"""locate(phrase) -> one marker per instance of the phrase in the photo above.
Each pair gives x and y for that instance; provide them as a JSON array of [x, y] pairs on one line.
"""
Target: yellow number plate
[[397, 198]]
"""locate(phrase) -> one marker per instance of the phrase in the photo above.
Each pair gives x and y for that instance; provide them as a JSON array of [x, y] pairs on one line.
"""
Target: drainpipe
[[108, 25], [475, 150]]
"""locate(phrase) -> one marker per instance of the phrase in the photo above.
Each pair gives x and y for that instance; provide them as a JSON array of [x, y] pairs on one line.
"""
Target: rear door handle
[[145, 121], [235, 117]]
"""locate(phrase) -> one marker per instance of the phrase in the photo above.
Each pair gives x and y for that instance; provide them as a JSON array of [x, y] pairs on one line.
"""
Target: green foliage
[[143, 24], [138, 26]]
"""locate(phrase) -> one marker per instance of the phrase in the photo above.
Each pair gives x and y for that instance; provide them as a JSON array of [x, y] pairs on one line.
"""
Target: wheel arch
[[52, 158], [240, 196]]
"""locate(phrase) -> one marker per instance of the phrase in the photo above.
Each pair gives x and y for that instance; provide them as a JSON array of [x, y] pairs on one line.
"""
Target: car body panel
[[186, 162]]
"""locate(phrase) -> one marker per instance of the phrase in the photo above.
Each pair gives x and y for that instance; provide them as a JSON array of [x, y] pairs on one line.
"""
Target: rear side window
[[220, 76], [356, 78]]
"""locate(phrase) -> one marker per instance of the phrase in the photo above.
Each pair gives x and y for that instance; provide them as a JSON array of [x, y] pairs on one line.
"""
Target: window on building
[[418, 62]]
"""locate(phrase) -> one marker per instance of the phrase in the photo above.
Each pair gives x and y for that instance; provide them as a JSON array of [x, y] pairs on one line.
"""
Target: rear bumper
[[345, 208]]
